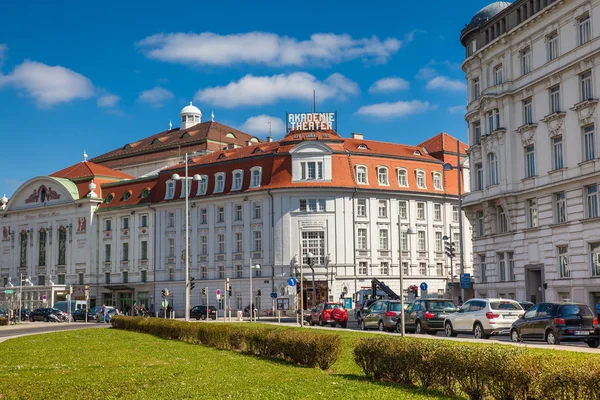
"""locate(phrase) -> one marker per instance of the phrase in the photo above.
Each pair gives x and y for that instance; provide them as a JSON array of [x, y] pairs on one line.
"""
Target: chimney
[[248, 143], [269, 139], [356, 135]]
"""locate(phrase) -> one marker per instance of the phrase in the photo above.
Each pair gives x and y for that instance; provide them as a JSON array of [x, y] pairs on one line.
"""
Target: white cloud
[[426, 73], [457, 109], [156, 96], [445, 83], [259, 125], [260, 90], [48, 85], [395, 110], [208, 48], [108, 100], [390, 84]]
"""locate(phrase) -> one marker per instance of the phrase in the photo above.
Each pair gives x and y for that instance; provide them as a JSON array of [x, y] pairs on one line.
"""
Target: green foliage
[[305, 347]]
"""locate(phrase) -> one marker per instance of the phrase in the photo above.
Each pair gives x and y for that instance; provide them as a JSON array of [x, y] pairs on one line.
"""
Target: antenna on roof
[[85, 156], [314, 101], [170, 125], [212, 116]]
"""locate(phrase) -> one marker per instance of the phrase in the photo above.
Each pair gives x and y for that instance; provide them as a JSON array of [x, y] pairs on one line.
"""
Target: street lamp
[[409, 231], [329, 287], [294, 263], [257, 266], [459, 168], [311, 263], [186, 179]]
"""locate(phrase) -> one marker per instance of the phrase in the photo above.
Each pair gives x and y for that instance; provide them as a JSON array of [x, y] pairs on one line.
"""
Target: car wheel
[[552, 338], [418, 328], [31, 319], [332, 325], [449, 330], [594, 343], [344, 324], [46, 319], [380, 326], [197, 318], [478, 332], [362, 325], [203, 317], [514, 336], [321, 321]]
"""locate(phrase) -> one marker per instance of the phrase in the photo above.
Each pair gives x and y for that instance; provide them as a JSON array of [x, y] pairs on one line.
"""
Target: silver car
[[483, 318], [382, 315]]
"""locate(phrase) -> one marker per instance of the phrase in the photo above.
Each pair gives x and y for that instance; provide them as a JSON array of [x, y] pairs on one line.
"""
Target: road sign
[[465, 281], [423, 286], [292, 281], [44, 297], [218, 296], [8, 291], [218, 292], [165, 303], [274, 295], [451, 284]]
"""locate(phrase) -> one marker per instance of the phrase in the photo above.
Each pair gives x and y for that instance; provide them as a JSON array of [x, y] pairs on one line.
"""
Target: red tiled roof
[[136, 187], [87, 169], [443, 142]]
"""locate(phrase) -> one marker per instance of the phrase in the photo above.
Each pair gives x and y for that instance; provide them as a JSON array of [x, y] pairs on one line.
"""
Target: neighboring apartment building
[[347, 201], [532, 71]]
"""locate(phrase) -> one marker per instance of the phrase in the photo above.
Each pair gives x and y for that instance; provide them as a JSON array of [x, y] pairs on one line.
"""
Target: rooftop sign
[[311, 121]]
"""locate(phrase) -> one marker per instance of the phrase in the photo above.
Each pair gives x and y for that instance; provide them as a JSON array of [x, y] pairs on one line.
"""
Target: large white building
[[533, 70], [345, 200]]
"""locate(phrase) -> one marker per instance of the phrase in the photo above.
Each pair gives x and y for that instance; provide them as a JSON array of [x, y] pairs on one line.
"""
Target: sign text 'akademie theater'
[[311, 121]]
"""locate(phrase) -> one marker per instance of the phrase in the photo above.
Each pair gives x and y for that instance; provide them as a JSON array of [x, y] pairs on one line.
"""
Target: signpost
[[292, 281], [465, 281], [9, 291], [274, 295], [218, 292]]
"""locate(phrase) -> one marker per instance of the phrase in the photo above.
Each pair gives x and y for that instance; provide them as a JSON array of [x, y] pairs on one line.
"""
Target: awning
[[118, 287]]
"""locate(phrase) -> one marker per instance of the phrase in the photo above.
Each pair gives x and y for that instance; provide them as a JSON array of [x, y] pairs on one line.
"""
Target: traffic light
[[70, 290], [87, 292], [192, 284], [230, 293], [167, 293], [203, 291], [162, 293], [259, 292], [449, 249], [226, 283]]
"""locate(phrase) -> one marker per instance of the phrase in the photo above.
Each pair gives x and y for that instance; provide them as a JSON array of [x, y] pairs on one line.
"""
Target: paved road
[[34, 328]]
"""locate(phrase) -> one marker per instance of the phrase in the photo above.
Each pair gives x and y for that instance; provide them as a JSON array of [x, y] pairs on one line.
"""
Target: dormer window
[[402, 177], [238, 177], [361, 175], [312, 170], [127, 195], [156, 141], [420, 175], [437, 181], [202, 185], [170, 192], [256, 177], [417, 153], [382, 176], [189, 188], [363, 147], [219, 182]]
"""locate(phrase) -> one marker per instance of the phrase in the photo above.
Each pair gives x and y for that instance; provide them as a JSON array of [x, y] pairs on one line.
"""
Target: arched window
[[62, 246], [219, 182], [23, 258], [256, 177], [202, 185], [493, 169], [382, 176], [420, 175], [238, 177], [361, 175], [42, 248], [170, 192], [437, 181], [402, 177]]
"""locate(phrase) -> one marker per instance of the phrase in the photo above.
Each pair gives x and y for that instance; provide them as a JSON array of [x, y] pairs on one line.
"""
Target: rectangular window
[[421, 179], [560, 207], [80, 278], [313, 242], [382, 176], [455, 214], [125, 222], [439, 245], [402, 209], [257, 235], [221, 272], [107, 278], [220, 243], [589, 143], [555, 99], [171, 220], [480, 224], [125, 277], [437, 212], [476, 88], [493, 168], [493, 117], [144, 221], [526, 61], [61, 279], [420, 211], [585, 83], [585, 29], [362, 268], [421, 243], [361, 207], [204, 272], [383, 209], [256, 177], [239, 212], [422, 268], [257, 207], [384, 268], [383, 239], [107, 224], [498, 75], [107, 253], [239, 272], [511, 266], [532, 217], [143, 276], [482, 267], [552, 45], [312, 170], [477, 131], [530, 161], [362, 239], [171, 247], [563, 261], [144, 250], [501, 266], [471, 47], [220, 214], [502, 220], [439, 269], [203, 245], [592, 201], [479, 176], [239, 242], [527, 112], [557, 152], [312, 205], [203, 216], [403, 241], [402, 177], [595, 258], [361, 175], [405, 269]]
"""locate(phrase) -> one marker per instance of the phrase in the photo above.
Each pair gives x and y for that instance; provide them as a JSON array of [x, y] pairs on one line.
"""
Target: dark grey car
[[428, 315], [381, 315]]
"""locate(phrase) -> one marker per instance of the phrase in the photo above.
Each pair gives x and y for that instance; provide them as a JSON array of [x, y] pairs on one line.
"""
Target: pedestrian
[[460, 302], [135, 309], [103, 314], [598, 309]]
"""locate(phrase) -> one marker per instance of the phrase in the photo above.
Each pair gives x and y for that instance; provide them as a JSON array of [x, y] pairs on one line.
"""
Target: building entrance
[[534, 283], [125, 302], [320, 295]]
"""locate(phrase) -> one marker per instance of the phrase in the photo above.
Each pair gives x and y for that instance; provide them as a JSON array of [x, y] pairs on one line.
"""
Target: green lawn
[[107, 363]]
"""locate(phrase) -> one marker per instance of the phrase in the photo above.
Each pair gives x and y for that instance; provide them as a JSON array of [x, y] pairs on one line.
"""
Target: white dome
[[191, 109]]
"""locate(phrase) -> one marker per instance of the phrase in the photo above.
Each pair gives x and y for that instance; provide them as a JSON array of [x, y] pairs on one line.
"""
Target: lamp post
[[186, 179], [449, 249], [296, 262], [311, 263], [329, 287], [459, 169], [409, 231], [257, 266]]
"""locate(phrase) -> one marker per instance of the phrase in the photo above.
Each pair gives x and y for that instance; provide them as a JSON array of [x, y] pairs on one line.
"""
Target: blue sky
[[81, 76]]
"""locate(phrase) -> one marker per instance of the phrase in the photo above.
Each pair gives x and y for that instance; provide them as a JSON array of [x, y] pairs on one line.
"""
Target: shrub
[[300, 347], [3, 321]]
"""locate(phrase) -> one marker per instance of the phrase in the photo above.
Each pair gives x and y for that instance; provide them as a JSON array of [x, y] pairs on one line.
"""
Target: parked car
[[98, 313], [3, 314], [199, 312], [79, 315], [428, 315], [329, 313], [48, 315], [362, 310], [24, 314], [383, 315], [526, 305], [483, 318], [556, 322]]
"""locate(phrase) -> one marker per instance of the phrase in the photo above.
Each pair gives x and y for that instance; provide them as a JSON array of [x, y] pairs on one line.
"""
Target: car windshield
[[332, 306], [505, 305], [575, 309], [441, 306], [54, 310], [395, 306]]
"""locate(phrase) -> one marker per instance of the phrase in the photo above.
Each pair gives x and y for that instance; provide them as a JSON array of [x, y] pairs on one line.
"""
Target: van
[[64, 305]]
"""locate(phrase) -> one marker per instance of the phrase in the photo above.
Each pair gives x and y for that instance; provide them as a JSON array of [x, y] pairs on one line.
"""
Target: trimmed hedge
[[3, 321], [305, 348], [479, 371]]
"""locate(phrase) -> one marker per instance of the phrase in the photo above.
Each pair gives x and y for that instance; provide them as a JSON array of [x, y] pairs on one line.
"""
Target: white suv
[[483, 318]]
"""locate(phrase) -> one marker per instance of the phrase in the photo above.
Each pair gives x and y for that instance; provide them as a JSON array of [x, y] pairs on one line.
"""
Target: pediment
[[43, 191], [311, 147]]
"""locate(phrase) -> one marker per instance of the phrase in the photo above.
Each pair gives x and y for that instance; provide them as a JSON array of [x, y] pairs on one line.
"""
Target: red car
[[329, 313]]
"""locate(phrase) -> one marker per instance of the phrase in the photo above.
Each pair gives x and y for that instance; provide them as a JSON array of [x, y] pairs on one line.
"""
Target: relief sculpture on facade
[[42, 194]]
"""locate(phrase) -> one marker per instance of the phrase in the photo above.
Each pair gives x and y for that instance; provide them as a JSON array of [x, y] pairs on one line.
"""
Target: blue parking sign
[[292, 281]]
